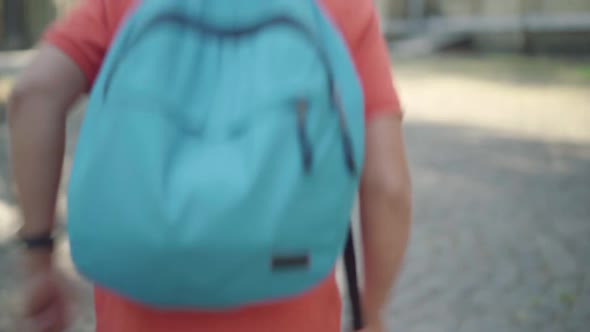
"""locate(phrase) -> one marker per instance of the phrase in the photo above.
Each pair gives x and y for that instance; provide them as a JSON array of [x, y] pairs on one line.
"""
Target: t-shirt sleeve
[[83, 35], [372, 61]]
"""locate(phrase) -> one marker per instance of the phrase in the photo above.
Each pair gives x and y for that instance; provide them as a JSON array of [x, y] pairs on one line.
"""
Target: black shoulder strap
[[353, 283]]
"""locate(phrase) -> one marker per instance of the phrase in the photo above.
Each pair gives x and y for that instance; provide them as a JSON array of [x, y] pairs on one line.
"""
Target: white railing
[[491, 24], [477, 16]]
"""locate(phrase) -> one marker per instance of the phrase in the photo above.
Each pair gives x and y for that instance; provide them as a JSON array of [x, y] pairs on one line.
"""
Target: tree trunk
[[15, 25]]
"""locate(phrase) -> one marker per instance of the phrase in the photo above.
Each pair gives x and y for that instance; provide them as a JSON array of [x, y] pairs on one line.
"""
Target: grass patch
[[585, 72]]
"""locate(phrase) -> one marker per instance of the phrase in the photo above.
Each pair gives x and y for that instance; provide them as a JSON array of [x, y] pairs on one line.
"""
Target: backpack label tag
[[290, 262]]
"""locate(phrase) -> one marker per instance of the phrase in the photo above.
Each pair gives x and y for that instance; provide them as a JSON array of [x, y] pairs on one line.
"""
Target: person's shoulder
[[115, 11], [350, 16], [349, 8], [85, 32], [103, 14], [359, 23]]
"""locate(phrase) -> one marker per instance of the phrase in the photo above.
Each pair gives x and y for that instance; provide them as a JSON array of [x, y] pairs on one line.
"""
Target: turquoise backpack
[[220, 154]]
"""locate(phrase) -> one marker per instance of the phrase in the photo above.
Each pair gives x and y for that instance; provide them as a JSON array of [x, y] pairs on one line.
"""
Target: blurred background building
[[23, 21], [531, 26]]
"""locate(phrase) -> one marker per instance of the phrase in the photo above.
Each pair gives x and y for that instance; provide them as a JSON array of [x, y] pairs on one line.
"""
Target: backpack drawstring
[[345, 133]]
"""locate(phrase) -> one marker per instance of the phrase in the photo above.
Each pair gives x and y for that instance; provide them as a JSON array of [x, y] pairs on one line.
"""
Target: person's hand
[[374, 328], [374, 325], [46, 299]]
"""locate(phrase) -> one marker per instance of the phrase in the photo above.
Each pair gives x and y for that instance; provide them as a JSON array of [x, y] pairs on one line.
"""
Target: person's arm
[[385, 192], [65, 66], [37, 111], [385, 204]]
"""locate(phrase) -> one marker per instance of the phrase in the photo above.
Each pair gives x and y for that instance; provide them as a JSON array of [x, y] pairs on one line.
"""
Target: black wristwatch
[[38, 242]]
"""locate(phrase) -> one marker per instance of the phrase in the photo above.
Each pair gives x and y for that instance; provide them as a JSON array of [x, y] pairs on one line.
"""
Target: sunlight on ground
[[5, 86], [514, 104], [8, 221], [16, 59], [547, 114], [9, 64]]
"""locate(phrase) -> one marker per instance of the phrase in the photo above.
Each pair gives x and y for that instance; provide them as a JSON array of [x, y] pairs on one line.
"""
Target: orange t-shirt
[[85, 35]]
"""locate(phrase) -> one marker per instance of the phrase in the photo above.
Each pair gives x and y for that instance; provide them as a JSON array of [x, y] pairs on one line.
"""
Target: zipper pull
[[304, 143]]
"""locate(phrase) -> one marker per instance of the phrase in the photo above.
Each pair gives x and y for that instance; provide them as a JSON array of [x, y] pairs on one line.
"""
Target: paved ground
[[500, 154]]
